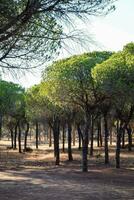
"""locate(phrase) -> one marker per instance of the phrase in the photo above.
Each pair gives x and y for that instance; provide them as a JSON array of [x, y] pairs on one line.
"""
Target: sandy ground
[[33, 176]]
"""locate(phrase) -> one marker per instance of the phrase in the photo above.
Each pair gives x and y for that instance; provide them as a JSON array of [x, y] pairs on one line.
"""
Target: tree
[[44, 108], [71, 85], [33, 29], [11, 96], [114, 78]]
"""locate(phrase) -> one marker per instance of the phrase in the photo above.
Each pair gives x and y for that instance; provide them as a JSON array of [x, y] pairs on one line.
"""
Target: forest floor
[[34, 176]]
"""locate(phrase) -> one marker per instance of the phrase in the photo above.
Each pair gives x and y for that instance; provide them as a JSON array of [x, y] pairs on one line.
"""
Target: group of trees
[[79, 93]]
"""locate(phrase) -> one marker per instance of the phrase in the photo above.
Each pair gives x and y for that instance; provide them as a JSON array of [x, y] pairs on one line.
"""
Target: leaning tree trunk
[[106, 139], [19, 137], [70, 157], [37, 134], [26, 134]]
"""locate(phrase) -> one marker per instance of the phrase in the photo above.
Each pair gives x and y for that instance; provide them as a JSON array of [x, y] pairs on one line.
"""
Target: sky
[[111, 32]]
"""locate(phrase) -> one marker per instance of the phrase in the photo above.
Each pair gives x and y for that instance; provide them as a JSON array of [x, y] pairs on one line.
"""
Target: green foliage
[[70, 81], [33, 30], [11, 98], [114, 78]]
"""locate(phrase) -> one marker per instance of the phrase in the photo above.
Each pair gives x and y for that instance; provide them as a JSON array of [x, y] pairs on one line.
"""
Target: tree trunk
[[26, 134], [37, 135], [118, 141], [63, 139], [70, 157], [111, 138], [73, 131], [98, 134], [85, 143], [123, 138], [19, 137], [50, 137], [79, 136], [15, 136], [106, 139], [129, 131], [11, 131], [56, 132], [92, 136], [84, 156]]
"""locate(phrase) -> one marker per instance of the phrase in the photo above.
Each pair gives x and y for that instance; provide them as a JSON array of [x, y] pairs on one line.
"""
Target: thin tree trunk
[[15, 136], [56, 133], [118, 141], [98, 135], [111, 138], [37, 135], [63, 139], [19, 137], [106, 139], [92, 136], [26, 135], [73, 131], [123, 138], [50, 137], [79, 136], [70, 157], [85, 143], [129, 131], [11, 131]]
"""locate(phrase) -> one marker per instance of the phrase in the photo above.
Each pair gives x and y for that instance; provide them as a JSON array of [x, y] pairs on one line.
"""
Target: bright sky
[[111, 32]]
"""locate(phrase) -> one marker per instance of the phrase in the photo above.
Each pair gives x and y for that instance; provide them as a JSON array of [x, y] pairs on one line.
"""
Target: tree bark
[[63, 139], [70, 157], [118, 144], [85, 143], [123, 138], [73, 131], [129, 131], [37, 135], [79, 136], [26, 134], [15, 136], [106, 138], [19, 137], [92, 136], [50, 137], [56, 133], [11, 131], [84, 156]]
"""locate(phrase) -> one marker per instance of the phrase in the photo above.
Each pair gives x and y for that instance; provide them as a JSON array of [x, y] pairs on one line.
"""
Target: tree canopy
[[33, 29]]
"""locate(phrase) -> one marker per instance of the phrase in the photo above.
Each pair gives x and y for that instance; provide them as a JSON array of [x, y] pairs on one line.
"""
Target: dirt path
[[33, 176], [63, 184]]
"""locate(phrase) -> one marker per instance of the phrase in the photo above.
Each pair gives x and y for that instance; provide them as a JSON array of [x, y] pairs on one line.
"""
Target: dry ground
[[33, 176]]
